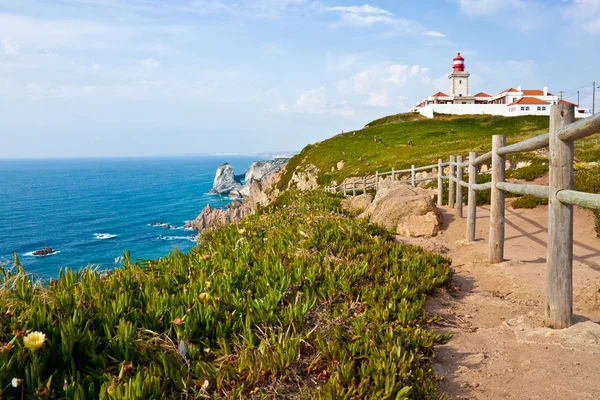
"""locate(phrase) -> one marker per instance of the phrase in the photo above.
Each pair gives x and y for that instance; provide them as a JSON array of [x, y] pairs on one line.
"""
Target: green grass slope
[[296, 302], [431, 138]]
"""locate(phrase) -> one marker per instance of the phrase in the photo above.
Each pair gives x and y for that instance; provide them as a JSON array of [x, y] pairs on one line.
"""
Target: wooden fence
[[561, 141]]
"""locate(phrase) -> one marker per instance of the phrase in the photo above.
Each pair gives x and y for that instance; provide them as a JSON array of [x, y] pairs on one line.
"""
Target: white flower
[[15, 382], [205, 384], [34, 340]]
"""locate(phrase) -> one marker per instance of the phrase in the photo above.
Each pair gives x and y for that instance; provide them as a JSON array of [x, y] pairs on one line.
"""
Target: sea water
[[92, 210]]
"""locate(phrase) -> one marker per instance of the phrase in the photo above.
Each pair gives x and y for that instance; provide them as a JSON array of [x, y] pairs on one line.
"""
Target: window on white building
[[526, 108], [460, 81], [514, 99], [522, 108], [544, 108], [539, 109]]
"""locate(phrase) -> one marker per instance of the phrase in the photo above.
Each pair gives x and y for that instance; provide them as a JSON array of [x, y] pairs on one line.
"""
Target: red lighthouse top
[[459, 63]]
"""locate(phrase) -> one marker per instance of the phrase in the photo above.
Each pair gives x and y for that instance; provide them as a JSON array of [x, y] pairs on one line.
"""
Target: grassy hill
[[298, 301], [431, 139]]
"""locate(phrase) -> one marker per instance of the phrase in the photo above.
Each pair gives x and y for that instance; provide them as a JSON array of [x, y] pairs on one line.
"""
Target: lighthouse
[[459, 78]]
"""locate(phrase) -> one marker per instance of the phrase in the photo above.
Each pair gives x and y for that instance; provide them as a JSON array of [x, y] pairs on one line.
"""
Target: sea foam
[[104, 236]]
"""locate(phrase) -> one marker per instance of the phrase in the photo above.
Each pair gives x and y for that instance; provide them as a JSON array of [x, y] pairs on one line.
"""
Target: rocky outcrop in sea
[[225, 180], [257, 191]]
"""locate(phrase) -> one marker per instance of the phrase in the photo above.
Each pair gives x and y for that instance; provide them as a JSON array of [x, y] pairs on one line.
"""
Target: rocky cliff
[[261, 194], [225, 180], [258, 191]]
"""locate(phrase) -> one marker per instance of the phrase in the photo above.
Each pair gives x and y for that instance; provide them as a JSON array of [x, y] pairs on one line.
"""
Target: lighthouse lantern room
[[459, 78]]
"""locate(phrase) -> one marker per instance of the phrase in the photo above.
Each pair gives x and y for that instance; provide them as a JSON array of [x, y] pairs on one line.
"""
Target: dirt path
[[500, 348]]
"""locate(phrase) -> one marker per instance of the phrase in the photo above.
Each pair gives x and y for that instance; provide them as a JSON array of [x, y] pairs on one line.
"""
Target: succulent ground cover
[[297, 301]]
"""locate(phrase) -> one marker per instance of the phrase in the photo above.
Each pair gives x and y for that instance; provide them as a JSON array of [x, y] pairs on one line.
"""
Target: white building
[[510, 102]]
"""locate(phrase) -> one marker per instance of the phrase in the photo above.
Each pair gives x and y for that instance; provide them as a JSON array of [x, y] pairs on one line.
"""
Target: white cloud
[[434, 34], [310, 101], [149, 63], [378, 99], [364, 15], [585, 14], [386, 85], [488, 7], [365, 9], [10, 47]]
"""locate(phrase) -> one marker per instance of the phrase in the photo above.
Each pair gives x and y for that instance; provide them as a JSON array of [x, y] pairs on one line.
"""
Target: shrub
[[528, 201], [297, 301], [530, 172]]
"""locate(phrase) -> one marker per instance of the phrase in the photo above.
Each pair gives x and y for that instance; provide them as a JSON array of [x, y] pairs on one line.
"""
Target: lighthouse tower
[[459, 78]]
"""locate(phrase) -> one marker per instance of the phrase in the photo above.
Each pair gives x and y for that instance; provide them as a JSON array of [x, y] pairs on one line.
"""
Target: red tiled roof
[[565, 102], [534, 92], [482, 94], [509, 90], [529, 100], [439, 94]]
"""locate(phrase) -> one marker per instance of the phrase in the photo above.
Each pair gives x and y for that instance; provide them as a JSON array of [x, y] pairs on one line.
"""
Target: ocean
[[92, 210]]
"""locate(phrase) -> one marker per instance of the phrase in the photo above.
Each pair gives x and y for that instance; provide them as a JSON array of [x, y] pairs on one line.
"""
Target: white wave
[[159, 224], [190, 238], [30, 254], [104, 236]]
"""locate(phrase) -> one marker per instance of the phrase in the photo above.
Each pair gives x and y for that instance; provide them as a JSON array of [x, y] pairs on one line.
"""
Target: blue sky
[[83, 78]]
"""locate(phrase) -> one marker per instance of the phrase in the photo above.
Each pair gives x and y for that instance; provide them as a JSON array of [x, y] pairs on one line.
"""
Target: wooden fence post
[[364, 185], [393, 175], [559, 259], [412, 175], [451, 182], [354, 188], [472, 199], [376, 181], [497, 206], [440, 200], [459, 188], [345, 194]]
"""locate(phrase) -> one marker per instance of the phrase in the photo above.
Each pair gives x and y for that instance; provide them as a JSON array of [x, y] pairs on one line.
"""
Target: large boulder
[[407, 210], [225, 180]]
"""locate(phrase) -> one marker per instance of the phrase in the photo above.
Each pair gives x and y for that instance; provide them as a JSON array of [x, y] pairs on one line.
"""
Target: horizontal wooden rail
[[581, 199], [463, 183], [482, 159], [482, 186], [426, 179], [426, 167], [537, 142], [533, 190], [580, 129]]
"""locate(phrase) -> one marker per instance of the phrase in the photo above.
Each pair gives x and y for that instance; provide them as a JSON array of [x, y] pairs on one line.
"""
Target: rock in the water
[[214, 217], [259, 170], [44, 252], [409, 211], [357, 203], [225, 180], [261, 193]]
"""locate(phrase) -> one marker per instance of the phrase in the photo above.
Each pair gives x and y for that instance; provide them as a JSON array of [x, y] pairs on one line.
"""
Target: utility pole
[[578, 98], [560, 97], [594, 99]]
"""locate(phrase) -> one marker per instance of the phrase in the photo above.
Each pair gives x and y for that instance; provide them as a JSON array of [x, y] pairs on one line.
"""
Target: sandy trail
[[500, 348]]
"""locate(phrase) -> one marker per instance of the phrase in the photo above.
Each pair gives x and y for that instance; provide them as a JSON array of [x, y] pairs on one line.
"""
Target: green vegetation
[[537, 169], [431, 138], [588, 180], [297, 301], [528, 201]]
